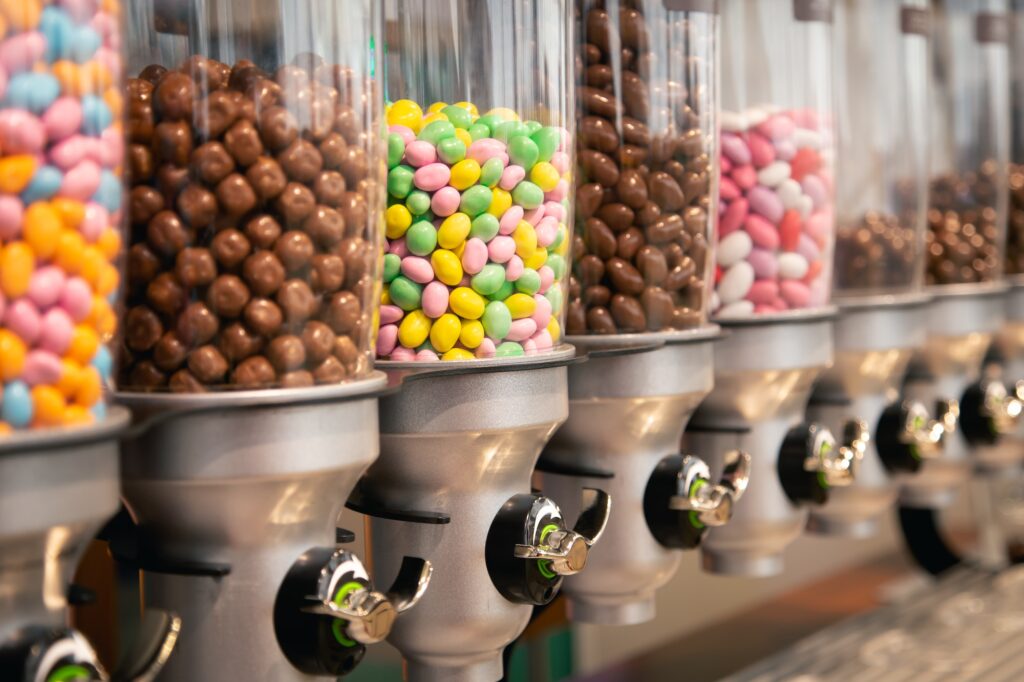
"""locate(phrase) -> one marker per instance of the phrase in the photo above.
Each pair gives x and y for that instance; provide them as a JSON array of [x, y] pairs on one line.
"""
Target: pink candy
[[76, 298], [41, 367], [81, 182], [11, 210], [22, 50], [420, 153], [501, 249], [511, 177], [417, 269], [514, 268], [390, 314], [63, 118], [387, 339], [474, 256], [23, 318], [510, 220], [445, 201], [432, 177], [55, 333], [484, 149], [46, 286], [435, 300], [21, 132]]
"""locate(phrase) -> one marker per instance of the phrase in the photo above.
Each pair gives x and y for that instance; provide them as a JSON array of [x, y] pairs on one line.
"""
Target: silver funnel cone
[[57, 489], [765, 369], [874, 341], [961, 323], [458, 447], [628, 406], [229, 490]]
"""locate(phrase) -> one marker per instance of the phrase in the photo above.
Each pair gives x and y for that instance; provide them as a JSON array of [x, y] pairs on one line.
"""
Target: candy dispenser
[[256, 160], [970, 136], [881, 75], [638, 296], [772, 279], [60, 254], [480, 151]]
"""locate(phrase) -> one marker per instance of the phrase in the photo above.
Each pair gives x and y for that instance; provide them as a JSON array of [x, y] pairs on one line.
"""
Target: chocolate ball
[[174, 142], [196, 324], [142, 328], [286, 353], [328, 272], [197, 206], [301, 161], [263, 273], [329, 188], [295, 203], [330, 371], [243, 143], [170, 352], [342, 312], [237, 343], [166, 233], [195, 267], [263, 231], [227, 296], [266, 178], [143, 264], [144, 203], [254, 372], [297, 379], [207, 364], [263, 316], [325, 226], [278, 127], [297, 301], [235, 196], [165, 294], [174, 96], [318, 340], [212, 163], [230, 248], [294, 249]]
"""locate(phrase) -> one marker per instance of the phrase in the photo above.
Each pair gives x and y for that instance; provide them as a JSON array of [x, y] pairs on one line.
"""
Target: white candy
[[773, 174], [802, 137], [715, 302], [789, 192], [734, 248], [736, 282], [805, 205], [757, 115], [732, 122], [792, 266], [737, 309]]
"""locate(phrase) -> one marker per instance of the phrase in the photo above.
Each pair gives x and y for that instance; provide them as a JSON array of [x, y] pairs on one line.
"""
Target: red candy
[[789, 230], [805, 161]]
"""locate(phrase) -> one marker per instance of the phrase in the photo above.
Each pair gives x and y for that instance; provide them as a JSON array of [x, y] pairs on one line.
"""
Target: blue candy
[[86, 42], [17, 405], [59, 31], [103, 362], [108, 195], [43, 185], [99, 410], [32, 91], [96, 115]]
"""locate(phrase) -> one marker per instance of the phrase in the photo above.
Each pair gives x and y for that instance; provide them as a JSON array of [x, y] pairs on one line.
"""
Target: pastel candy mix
[[60, 206], [775, 213], [477, 236]]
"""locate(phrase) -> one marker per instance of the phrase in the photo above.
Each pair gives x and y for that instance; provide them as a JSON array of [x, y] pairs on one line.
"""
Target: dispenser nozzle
[[838, 464], [713, 503], [567, 550]]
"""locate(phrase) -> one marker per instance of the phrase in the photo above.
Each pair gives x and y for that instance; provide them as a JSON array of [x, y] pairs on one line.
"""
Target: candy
[[775, 229]]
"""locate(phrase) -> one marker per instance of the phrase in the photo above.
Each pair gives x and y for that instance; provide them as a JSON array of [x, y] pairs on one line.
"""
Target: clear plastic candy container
[[257, 173], [970, 132], [480, 162], [61, 200], [1015, 211], [776, 225], [647, 95], [881, 69]]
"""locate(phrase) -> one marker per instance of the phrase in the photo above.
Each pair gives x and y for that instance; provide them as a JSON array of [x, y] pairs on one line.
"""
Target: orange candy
[[75, 415], [22, 15], [108, 280], [17, 263], [93, 263], [72, 212], [47, 406], [109, 243], [42, 228], [12, 355], [84, 344], [15, 172], [91, 388], [68, 256], [70, 377]]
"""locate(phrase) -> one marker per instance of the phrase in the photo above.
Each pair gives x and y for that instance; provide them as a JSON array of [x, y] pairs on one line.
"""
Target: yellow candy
[[17, 262], [406, 113], [21, 14], [75, 415], [470, 107], [385, 297], [563, 248], [6, 429], [47, 405], [42, 227], [459, 250], [545, 176], [504, 113], [72, 212], [472, 334], [554, 329], [15, 172], [501, 201], [71, 375], [90, 389], [414, 329], [430, 118], [70, 247], [84, 344], [12, 355], [464, 136], [436, 107], [109, 243], [457, 354], [466, 303], [447, 267], [465, 174], [397, 219], [445, 332], [520, 305], [454, 230], [525, 238], [539, 258]]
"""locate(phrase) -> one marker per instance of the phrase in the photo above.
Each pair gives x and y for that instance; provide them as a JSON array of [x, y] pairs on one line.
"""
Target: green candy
[[400, 181], [547, 140], [478, 131], [559, 238], [528, 195], [509, 349], [426, 345], [490, 172], [392, 266], [490, 121], [523, 152], [405, 293], [436, 131], [506, 290], [497, 320], [557, 264], [396, 149], [451, 150], [475, 200], [418, 202], [529, 281], [458, 117], [554, 296], [421, 238], [485, 226], [488, 280], [509, 130], [533, 126]]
